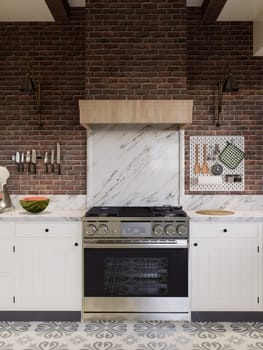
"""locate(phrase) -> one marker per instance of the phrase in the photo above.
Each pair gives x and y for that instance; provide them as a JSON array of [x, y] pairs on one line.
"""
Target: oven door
[[135, 278]]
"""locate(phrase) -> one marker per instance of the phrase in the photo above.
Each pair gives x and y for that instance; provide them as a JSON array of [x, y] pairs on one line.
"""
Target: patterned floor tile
[[131, 335]]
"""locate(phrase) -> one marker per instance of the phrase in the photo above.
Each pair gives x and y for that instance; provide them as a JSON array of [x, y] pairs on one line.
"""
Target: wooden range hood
[[177, 112]]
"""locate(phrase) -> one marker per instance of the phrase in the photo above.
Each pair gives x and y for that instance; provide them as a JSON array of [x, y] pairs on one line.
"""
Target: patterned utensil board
[[213, 158]]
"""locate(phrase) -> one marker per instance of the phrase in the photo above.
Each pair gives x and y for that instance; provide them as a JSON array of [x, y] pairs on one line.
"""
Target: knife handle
[[29, 167], [18, 167], [46, 168], [52, 168], [59, 169], [22, 167], [35, 168]]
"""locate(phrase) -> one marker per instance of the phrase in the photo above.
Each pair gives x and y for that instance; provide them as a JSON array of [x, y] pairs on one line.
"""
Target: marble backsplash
[[231, 202], [133, 165]]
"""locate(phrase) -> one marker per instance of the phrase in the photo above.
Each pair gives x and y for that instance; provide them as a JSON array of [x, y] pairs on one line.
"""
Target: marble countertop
[[244, 215], [54, 215], [76, 215]]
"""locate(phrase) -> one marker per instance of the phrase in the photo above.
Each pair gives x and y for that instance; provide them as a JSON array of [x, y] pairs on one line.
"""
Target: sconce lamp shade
[[28, 86], [32, 86], [230, 84]]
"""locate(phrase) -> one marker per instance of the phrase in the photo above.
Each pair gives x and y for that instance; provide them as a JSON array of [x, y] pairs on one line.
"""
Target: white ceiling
[[24, 10], [241, 10]]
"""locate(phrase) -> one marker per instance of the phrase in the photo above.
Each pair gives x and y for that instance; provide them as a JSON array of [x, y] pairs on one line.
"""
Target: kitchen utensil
[[46, 161], [217, 169], [5, 201], [22, 161], [52, 161], [233, 178], [4, 175], [216, 150], [58, 158], [197, 168], [231, 156], [34, 160], [28, 161], [18, 161], [205, 166]]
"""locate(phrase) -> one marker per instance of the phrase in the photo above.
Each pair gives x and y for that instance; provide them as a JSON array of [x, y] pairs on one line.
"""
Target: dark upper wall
[[210, 48], [56, 52], [150, 49], [135, 49]]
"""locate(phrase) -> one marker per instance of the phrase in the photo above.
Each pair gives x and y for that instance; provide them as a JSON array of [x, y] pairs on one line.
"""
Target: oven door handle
[[143, 245]]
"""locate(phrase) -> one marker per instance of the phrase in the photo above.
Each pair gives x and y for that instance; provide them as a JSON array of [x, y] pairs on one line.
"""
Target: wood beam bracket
[[211, 10], [59, 9]]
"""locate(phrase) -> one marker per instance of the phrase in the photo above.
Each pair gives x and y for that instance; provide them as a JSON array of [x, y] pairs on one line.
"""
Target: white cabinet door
[[224, 266], [48, 269], [6, 265]]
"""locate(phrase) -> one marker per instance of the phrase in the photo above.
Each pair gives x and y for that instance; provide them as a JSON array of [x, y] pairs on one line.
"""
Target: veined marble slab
[[45, 216], [133, 165], [227, 202]]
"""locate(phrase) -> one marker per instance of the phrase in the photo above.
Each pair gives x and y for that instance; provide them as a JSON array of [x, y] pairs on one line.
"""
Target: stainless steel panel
[[168, 316], [138, 304], [144, 245]]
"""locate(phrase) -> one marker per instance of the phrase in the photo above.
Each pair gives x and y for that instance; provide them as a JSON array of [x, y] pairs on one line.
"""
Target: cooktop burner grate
[[155, 211]]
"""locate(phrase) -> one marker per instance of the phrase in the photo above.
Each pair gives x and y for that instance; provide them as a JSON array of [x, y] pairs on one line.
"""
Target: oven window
[[136, 272], [135, 276]]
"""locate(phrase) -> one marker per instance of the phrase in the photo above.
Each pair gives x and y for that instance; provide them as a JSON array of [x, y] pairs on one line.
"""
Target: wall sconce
[[32, 86], [229, 85]]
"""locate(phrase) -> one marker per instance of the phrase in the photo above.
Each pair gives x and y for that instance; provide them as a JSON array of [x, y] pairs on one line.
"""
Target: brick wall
[[56, 53], [135, 49], [161, 50], [209, 49], [124, 49]]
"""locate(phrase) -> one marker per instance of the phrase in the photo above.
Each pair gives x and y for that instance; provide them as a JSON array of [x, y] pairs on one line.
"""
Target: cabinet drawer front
[[226, 229], [7, 229], [46, 229]]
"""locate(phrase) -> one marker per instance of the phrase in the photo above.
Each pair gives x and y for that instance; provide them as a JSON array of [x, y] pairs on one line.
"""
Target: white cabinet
[[48, 266], [7, 232], [41, 266], [225, 266]]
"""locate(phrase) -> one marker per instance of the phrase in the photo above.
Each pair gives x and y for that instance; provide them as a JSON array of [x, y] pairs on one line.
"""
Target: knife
[[28, 161], [58, 158], [52, 161], [46, 161], [18, 160], [22, 161], [34, 160]]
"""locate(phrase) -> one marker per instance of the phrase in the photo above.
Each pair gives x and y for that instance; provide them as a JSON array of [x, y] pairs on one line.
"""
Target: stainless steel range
[[135, 263]]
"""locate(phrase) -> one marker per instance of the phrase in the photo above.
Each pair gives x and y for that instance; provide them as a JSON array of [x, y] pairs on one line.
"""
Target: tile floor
[[131, 335]]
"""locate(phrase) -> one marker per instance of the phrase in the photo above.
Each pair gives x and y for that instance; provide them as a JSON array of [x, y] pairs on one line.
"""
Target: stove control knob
[[103, 229], [181, 230], [170, 230], [158, 230], [91, 229]]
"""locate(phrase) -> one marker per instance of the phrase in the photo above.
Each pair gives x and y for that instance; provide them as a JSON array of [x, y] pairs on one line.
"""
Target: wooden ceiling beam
[[211, 9], [59, 9]]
